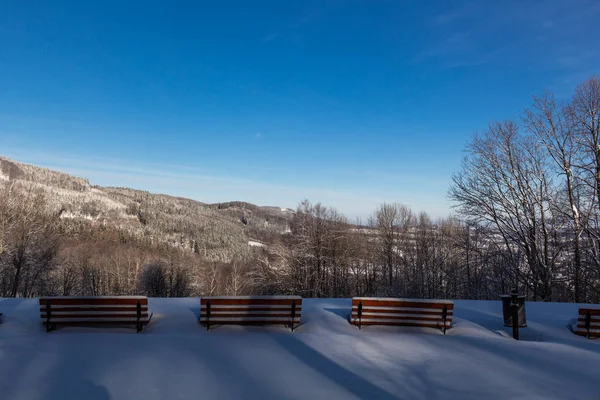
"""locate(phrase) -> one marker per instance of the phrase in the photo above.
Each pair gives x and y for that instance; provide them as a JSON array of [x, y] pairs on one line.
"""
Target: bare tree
[[554, 127], [504, 184]]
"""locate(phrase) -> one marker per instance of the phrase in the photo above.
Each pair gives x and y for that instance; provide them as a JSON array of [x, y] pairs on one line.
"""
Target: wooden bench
[[588, 322], [83, 311], [403, 312], [251, 310]]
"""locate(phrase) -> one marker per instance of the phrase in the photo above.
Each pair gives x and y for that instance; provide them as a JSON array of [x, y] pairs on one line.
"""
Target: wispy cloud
[[555, 35]]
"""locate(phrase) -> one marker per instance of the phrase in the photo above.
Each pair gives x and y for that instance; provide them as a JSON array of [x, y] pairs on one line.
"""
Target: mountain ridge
[[218, 231]]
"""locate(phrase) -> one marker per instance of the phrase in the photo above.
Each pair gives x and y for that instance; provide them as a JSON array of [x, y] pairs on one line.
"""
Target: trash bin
[[507, 310]]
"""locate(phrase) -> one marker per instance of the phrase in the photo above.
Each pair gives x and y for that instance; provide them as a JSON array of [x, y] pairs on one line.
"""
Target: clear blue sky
[[346, 102]]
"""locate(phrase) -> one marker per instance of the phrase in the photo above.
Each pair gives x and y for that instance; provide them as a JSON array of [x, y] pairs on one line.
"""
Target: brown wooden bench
[[83, 311], [588, 322], [403, 312], [251, 310]]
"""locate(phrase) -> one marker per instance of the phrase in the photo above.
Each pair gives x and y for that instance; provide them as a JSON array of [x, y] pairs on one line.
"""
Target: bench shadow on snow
[[343, 313], [534, 332], [196, 312], [70, 383], [346, 378]]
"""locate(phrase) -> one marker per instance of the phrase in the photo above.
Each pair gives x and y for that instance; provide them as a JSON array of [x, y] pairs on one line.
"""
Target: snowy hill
[[217, 232], [326, 358]]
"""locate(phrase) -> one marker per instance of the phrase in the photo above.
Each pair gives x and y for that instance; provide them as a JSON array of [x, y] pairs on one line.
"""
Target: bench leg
[[293, 314], [208, 307], [360, 308], [444, 318]]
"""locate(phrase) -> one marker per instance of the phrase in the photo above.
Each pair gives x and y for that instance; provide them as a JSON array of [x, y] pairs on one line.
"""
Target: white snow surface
[[325, 358], [255, 243]]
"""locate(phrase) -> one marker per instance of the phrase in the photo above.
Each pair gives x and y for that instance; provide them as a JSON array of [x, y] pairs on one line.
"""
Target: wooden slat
[[583, 332], [219, 321], [73, 301], [255, 323], [400, 314], [404, 299], [401, 303], [582, 318], [592, 326], [241, 314], [217, 302], [96, 322], [94, 309], [276, 307], [384, 310], [82, 316], [592, 311], [405, 323], [592, 321], [402, 319], [592, 316]]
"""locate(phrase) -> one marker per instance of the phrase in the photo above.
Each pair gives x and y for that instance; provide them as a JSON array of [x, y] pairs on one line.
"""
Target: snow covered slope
[[326, 358]]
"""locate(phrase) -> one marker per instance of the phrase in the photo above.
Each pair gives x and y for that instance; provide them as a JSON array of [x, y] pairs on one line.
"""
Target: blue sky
[[346, 102]]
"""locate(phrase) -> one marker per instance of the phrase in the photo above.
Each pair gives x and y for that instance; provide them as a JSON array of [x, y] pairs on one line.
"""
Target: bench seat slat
[[592, 326], [402, 309], [218, 320], [401, 320], [423, 324], [405, 303], [286, 307], [246, 314], [403, 300], [94, 308], [592, 311], [76, 311], [582, 331], [400, 316], [88, 301], [54, 316], [94, 320], [258, 302], [592, 318], [592, 322]]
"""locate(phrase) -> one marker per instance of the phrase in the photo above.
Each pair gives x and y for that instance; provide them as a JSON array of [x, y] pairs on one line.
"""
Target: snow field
[[325, 358]]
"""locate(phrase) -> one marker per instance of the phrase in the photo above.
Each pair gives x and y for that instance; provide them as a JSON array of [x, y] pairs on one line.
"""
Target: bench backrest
[[249, 310], [405, 312], [94, 310], [588, 322]]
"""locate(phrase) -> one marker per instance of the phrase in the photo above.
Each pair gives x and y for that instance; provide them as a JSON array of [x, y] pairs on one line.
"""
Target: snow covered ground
[[325, 358]]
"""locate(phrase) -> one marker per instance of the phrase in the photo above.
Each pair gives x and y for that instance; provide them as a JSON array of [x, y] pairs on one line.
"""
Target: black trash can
[[507, 310]]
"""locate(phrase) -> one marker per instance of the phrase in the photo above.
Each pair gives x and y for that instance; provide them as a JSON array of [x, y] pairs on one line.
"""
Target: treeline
[[528, 216], [535, 183], [397, 253]]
